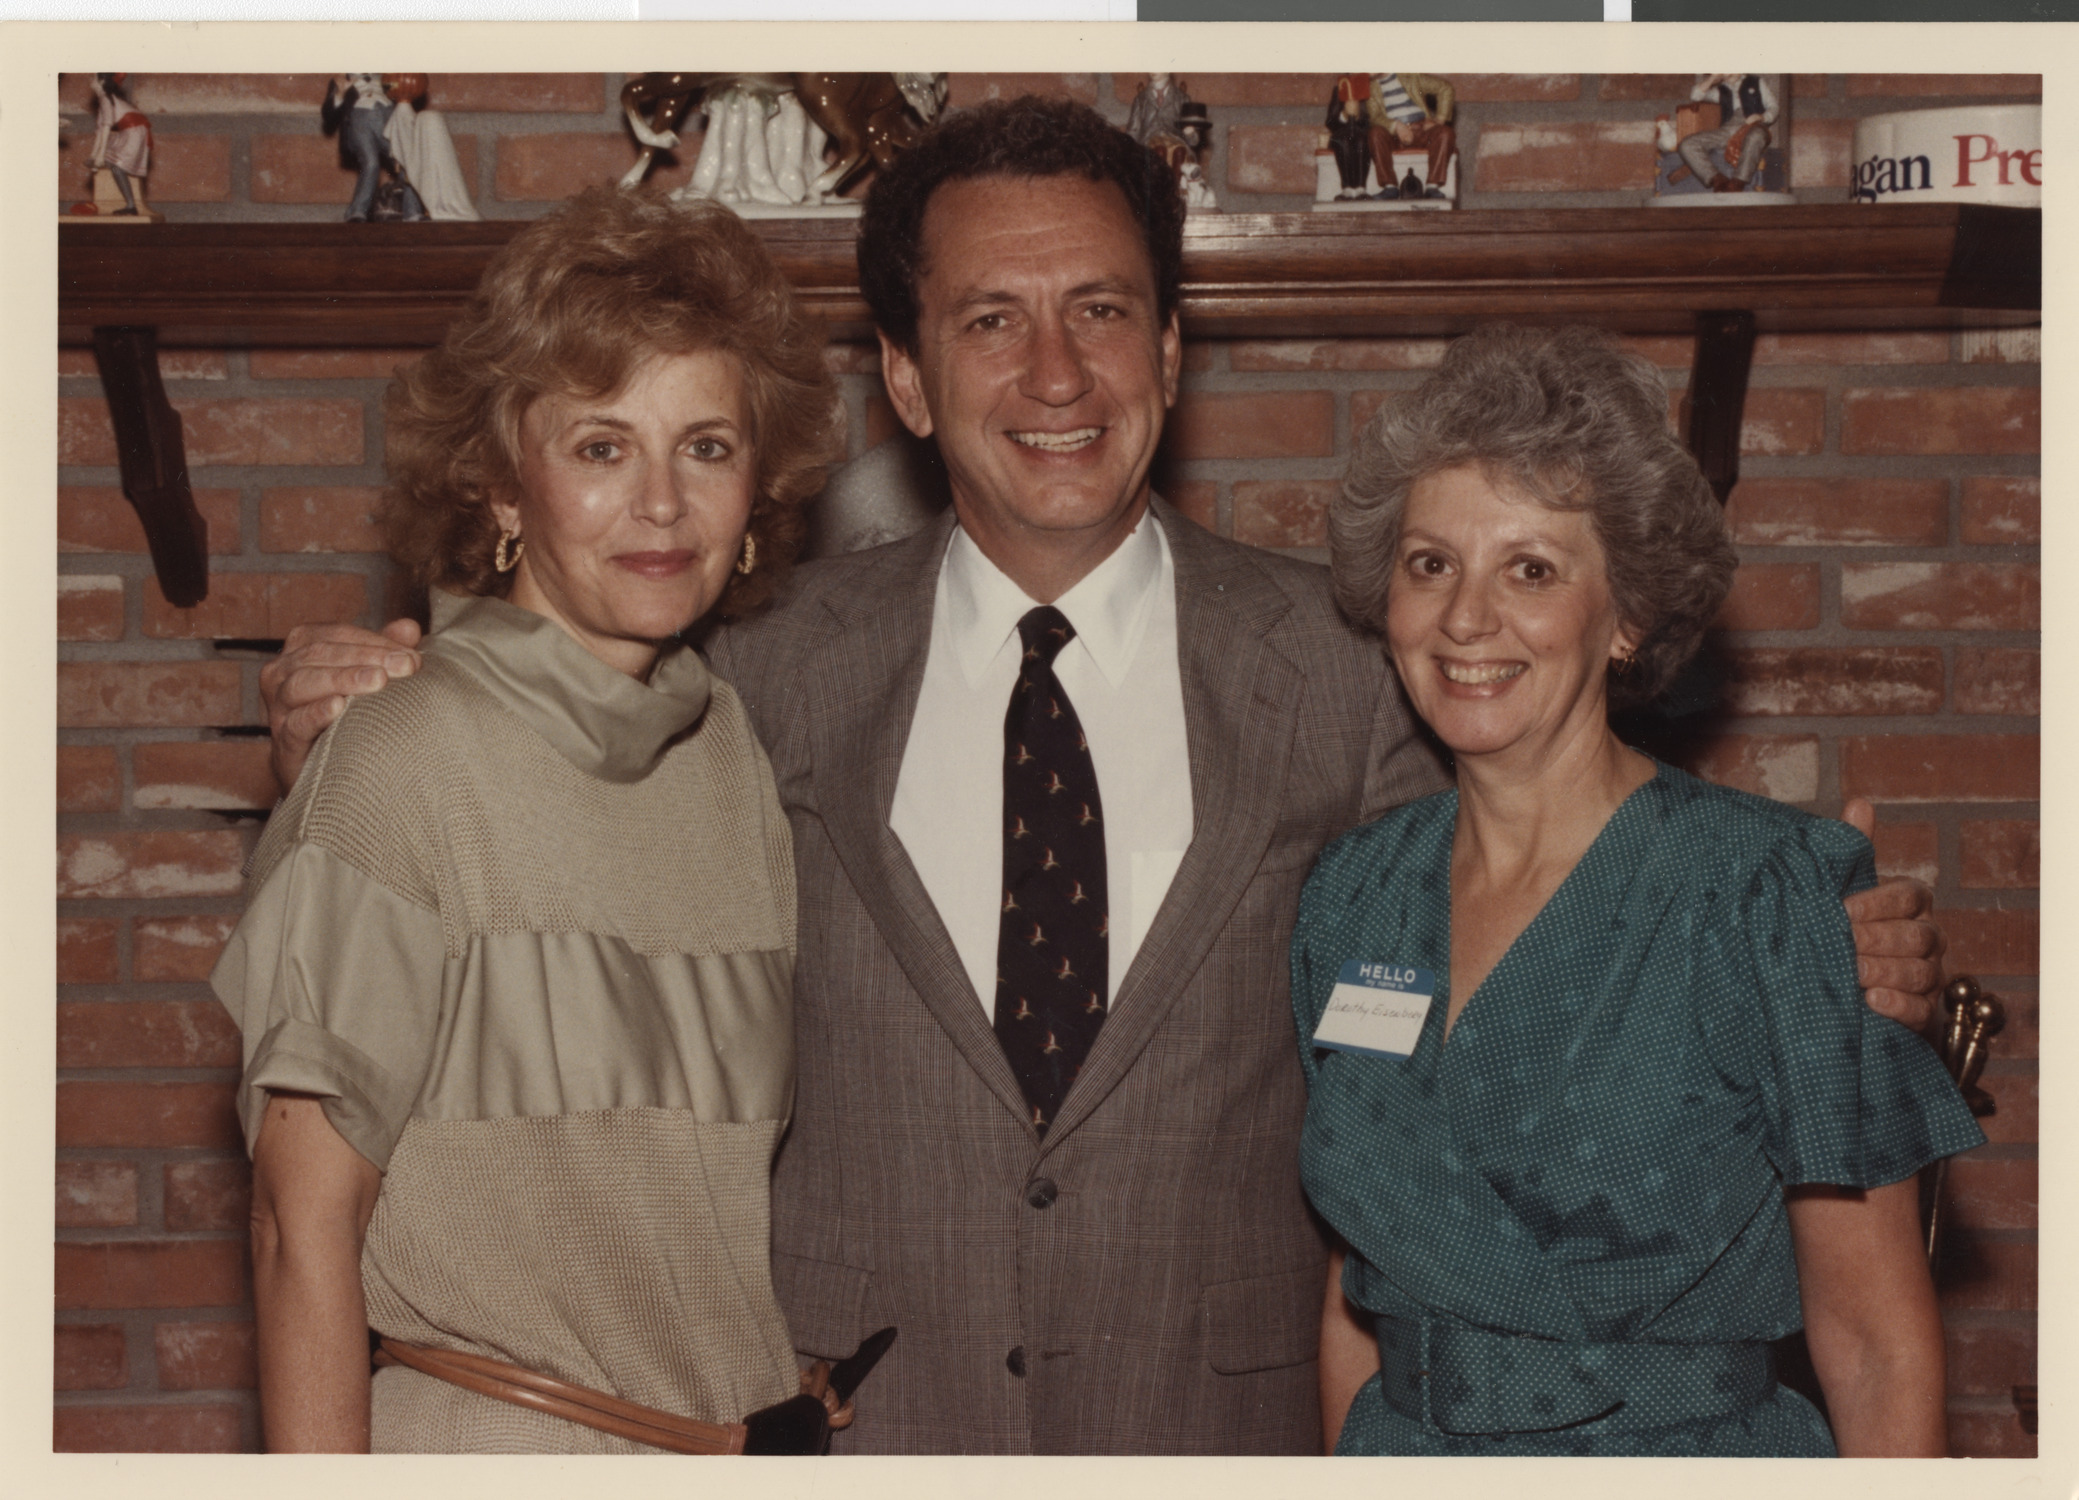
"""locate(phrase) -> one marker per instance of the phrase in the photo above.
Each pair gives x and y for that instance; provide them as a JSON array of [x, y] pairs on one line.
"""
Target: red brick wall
[[248, 146], [1882, 640]]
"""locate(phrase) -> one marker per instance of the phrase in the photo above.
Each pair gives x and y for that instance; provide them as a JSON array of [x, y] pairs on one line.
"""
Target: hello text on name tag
[[1376, 1009]]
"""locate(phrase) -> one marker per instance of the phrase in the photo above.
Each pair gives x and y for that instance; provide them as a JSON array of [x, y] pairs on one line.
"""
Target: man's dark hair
[[1026, 137]]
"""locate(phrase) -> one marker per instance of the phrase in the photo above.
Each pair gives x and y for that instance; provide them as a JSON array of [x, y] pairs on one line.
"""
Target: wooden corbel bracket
[[1718, 395], [154, 461]]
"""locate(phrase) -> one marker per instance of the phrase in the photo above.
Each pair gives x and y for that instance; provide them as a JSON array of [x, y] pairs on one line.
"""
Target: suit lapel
[[866, 684], [1241, 703]]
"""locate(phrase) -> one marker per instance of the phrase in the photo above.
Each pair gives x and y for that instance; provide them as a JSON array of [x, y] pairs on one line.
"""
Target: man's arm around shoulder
[[321, 666]]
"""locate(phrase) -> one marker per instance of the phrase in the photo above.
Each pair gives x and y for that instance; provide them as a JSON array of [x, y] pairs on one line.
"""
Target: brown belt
[[576, 1403]]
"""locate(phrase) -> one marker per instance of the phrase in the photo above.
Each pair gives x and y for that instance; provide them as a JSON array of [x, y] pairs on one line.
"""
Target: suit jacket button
[[1015, 1361], [1041, 1192]]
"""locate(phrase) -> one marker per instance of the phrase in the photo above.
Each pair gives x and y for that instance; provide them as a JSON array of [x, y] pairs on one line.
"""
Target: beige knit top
[[526, 927]]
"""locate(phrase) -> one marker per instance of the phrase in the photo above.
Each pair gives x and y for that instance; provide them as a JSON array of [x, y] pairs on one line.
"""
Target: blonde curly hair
[[573, 305]]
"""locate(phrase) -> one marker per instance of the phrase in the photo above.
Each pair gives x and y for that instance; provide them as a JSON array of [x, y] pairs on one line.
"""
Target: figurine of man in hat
[[1169, 122], [1349, 134]]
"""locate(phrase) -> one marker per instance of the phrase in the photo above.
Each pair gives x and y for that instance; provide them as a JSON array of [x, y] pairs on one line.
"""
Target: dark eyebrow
[[978, 299], [1106, 286], [1111, 286]]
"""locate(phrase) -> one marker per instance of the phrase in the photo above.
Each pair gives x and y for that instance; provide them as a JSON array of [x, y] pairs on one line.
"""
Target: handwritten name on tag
[[1376, 1009]]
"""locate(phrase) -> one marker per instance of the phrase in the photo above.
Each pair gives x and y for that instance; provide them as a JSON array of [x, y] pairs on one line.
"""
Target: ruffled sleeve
[[335, 982], [334, 974], [1846, 1096]]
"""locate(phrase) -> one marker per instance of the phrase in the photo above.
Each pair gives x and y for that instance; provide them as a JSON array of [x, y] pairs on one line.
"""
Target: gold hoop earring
[[750, 558], [1622, 665], [510, 545]]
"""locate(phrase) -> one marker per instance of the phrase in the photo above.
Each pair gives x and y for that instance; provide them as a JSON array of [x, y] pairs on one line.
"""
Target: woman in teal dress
[[1596, 1105]]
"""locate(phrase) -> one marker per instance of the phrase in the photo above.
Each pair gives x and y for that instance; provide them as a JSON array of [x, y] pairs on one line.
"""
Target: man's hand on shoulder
[[321, 666], [1898, 947]]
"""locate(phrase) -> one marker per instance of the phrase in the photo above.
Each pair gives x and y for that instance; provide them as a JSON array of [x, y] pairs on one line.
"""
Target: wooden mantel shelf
[[1642, 270], [1719, 274]]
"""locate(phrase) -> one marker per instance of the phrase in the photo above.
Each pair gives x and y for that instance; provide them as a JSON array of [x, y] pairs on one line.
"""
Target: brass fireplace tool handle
[[1974, 1019]]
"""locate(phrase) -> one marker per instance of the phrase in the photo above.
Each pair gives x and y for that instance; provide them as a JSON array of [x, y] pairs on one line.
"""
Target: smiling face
[[1499, 617], [633, 505], [1042, 367]]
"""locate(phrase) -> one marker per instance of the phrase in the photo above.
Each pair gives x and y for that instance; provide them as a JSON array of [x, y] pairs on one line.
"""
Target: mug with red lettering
[[1990, 153]]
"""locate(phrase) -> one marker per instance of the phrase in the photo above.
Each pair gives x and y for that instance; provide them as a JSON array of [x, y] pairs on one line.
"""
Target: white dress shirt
[[1121, 674]]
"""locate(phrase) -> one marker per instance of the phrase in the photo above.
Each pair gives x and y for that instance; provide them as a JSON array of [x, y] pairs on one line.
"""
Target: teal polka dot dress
[[1569, 1224]]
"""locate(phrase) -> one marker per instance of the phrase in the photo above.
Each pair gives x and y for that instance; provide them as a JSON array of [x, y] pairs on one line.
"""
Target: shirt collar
[[1108, 607]]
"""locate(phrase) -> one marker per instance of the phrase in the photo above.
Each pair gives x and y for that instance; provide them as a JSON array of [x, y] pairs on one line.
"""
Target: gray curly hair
[[1579, 424]]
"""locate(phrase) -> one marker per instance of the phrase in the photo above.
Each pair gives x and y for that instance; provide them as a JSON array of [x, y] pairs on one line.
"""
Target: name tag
[[1376, 1009]]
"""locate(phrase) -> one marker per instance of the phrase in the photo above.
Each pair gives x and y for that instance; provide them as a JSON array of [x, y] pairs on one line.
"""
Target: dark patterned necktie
[[1052, 940]]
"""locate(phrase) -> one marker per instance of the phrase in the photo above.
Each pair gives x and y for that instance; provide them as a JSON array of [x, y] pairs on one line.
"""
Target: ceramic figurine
[[767, 133], [1349, 135], [1729, 144], [1392, 143], [122, 154], [735, 164], [423, 151], [356, 106], [1157, 110], [1198, 193], [1169, 122], [871, 118], [1414, 111]]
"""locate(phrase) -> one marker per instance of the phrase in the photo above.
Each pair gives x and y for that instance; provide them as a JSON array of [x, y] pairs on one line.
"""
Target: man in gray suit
[[1136, 1273], [1125, 1264]]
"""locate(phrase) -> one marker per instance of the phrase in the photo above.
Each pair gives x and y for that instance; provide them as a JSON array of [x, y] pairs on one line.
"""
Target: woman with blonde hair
[[514, 972]]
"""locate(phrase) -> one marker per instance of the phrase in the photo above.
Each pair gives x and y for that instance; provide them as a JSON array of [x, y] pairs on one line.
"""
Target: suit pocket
[[825, 1303], [1264, 1322]]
